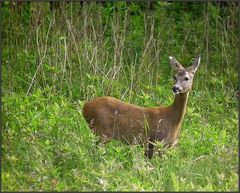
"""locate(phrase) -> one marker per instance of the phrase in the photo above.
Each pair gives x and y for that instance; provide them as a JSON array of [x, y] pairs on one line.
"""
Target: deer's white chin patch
[[177, 92]]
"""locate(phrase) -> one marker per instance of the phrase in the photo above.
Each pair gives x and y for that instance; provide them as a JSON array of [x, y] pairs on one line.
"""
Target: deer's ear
[[175, 64], [195, 65]]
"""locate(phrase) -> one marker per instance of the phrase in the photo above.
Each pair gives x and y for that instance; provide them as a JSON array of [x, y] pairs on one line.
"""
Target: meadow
[[56, 56]]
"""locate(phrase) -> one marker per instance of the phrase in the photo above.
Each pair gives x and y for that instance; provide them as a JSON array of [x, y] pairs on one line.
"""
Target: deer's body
[[111, 118]]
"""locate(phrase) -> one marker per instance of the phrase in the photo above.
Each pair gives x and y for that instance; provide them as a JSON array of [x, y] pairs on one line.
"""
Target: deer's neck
[[178, 108]]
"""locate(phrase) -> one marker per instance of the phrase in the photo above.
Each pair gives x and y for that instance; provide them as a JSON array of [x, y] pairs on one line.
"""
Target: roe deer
[[111, 118]]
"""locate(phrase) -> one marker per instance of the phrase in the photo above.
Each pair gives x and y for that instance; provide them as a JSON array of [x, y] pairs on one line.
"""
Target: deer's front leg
[[149, 150]]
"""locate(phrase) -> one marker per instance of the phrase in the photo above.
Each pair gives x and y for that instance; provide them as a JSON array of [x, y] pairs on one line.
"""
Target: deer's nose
[[175, 89]]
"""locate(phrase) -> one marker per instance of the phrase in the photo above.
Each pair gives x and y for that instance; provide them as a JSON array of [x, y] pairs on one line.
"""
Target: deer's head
[[184, 76]]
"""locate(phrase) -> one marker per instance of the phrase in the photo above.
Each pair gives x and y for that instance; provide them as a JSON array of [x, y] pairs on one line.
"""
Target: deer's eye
[[186, 79]]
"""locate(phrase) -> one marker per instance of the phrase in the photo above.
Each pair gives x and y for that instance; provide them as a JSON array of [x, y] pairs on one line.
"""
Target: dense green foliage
[[55, 59]]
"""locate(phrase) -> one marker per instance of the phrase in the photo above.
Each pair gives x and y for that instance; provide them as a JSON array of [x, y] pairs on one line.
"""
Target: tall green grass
[[48, 146], [54, 60]]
